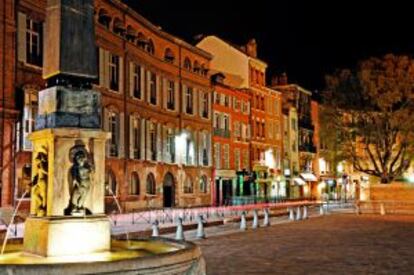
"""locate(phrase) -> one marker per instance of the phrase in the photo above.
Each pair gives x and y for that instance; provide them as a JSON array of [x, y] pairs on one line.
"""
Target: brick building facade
[[156, 104]]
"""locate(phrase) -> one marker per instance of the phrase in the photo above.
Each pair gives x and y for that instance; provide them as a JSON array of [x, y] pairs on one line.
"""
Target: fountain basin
[[137, 256]]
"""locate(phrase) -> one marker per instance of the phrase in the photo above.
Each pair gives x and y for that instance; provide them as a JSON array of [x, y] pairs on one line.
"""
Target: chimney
[[251, 48], [283, 79]]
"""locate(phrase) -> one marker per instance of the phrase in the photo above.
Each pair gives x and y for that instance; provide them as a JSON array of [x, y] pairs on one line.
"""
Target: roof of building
[[158, 30]]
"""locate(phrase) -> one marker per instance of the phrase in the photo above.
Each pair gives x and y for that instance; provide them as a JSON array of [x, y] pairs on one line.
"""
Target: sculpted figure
[[81, 173], [39, 184]]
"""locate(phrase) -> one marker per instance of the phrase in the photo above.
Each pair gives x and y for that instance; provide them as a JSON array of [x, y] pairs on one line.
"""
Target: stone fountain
[[68, 231]]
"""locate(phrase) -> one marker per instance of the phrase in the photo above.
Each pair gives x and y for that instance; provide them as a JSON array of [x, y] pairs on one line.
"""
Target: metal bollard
[[155, 229], [291, 214], [200, 228], [298, 214], [255, 219], [243, 225], [266, 221], [305, 212], [382, 209], [179, 235], [321, 210]]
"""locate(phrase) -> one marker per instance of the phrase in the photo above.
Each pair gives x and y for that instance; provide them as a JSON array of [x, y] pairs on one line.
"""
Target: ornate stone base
[[63, 236]]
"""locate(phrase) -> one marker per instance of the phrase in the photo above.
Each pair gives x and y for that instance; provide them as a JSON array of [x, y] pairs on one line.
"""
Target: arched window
[[103, 18], [169, 56], [187, 64], [188, 186], [203, 184], [134, 184], [150, 47], [151, 186], [110, 184]]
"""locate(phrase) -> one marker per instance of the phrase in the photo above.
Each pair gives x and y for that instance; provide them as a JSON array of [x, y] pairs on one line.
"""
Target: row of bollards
[[298, 213], [301, 213]]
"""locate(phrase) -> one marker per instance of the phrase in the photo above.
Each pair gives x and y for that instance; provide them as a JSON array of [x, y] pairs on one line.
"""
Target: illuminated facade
[[156, 105]]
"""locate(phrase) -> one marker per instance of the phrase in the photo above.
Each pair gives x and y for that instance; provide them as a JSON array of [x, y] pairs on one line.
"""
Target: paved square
[[334, 244]]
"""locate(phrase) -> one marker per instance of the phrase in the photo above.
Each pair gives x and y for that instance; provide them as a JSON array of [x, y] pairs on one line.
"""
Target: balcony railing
[[307, 148], [222, 132]]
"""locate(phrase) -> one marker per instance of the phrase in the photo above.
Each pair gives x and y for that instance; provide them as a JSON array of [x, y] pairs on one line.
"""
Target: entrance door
[[169, 190]]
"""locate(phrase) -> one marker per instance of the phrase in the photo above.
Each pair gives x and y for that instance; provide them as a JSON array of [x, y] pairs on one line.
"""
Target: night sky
[[305, 39]]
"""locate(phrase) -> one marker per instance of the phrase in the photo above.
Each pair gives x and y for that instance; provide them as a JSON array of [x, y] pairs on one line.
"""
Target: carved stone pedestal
[[66, 236], [54, 151]]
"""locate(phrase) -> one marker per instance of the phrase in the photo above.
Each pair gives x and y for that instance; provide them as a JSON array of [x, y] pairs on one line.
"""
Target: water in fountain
[[119, 209], [6, 237]]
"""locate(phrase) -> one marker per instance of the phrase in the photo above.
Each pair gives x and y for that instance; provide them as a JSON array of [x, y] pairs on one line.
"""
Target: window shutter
[[165, 156], [102, 67], [164, 93], [142, 82], [131, 136], [148, 90], [142, 131], [105, 127], [209, 150], [121, 135], [196, 147], [131, 78], [184, 97], [121, 75], [195, 101], [21, 37], [158, 89], [176, 95], [159, 137], [106, 69], [148, 138], [200, 148]]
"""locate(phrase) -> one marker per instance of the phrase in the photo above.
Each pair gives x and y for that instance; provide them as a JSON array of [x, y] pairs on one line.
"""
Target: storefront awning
[[308, 177], [299, 181]]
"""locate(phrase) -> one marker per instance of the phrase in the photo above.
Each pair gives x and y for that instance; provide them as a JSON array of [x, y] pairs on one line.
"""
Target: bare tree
[[371, 111]]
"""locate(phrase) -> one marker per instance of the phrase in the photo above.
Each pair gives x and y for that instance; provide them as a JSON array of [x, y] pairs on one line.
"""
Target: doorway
[[169, 190]]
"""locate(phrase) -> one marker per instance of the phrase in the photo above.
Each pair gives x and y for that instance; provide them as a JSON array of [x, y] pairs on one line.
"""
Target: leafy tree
[[371, 112]]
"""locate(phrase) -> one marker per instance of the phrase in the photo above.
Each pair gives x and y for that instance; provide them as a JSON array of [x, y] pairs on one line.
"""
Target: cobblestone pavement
[[333, 244]]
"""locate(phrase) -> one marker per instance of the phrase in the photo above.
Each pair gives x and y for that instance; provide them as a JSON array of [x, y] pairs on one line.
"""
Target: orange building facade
[[231, 141], [156, 104]]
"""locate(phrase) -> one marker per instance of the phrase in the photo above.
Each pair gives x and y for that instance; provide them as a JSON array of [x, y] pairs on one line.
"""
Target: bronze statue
[[39, 184], [81, 173]]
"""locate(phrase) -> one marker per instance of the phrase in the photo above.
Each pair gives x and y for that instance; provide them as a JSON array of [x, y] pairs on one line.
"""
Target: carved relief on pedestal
[[80, 179], [39, 182]]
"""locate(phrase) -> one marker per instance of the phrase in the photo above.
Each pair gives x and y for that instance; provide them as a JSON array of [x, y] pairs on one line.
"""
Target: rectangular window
[[217, 155], [137, 78], [170, 95], [34, 42], [226, 155], [170, 145], [136, 142], [205, 105], [153, 88], [189, 97], [237, 162], [114, 72], [29, 115]]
